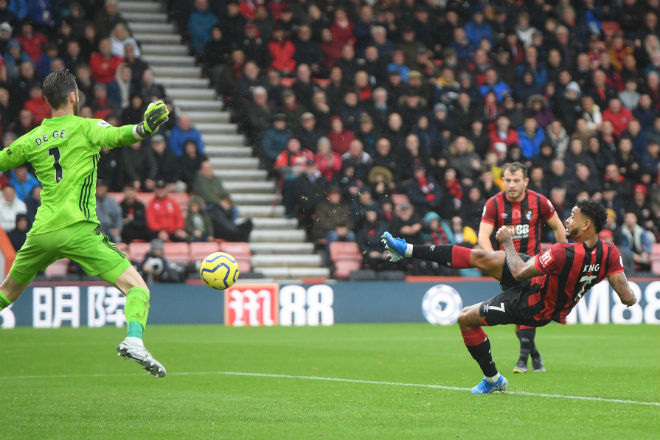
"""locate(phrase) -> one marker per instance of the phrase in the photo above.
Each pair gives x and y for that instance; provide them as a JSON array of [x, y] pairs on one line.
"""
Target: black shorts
[[511, 306], [507, 280]]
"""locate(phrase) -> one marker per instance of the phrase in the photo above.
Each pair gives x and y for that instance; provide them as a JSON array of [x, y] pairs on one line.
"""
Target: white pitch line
[[338, 379]]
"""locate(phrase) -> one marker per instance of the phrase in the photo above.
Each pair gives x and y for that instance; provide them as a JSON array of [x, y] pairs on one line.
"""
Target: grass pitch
[[68, 383]]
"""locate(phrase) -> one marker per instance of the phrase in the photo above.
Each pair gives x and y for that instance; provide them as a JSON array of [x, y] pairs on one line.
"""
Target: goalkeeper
[[64, 152]]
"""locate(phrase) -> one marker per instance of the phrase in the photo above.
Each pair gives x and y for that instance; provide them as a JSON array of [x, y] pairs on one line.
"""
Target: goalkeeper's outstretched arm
[[102, 134]]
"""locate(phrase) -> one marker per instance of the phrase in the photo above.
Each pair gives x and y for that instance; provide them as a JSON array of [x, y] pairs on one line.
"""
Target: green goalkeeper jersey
[[64, 152]]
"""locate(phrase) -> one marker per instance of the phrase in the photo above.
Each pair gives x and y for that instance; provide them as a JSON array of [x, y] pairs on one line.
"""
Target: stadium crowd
[[351, 103], [93, 40]]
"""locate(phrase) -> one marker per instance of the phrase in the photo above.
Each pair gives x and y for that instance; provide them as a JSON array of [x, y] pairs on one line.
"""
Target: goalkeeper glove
[[154, 117]]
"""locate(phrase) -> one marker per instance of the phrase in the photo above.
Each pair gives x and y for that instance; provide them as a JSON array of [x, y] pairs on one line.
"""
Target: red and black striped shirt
[[570, 269], [524, 218]]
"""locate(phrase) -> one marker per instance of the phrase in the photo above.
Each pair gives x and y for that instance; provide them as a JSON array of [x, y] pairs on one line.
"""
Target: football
[[219, 270]]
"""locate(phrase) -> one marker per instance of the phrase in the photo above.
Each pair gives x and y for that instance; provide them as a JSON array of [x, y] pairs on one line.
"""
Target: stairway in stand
[[279, 248]]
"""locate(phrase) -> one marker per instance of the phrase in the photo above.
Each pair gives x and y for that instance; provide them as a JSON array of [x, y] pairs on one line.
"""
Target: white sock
[[409, 249], [493, 379]]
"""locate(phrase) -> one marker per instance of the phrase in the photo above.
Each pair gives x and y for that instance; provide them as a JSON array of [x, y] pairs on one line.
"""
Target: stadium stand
[[405, 89]]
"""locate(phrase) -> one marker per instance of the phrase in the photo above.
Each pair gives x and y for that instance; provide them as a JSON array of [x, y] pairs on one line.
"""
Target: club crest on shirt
[[529, 215]]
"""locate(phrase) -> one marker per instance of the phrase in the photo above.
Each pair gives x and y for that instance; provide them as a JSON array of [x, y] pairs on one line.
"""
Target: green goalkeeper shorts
[[81, 242]]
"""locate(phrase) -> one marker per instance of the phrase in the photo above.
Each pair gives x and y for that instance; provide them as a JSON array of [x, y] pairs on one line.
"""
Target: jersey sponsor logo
[[518, 231], [503, 215], [545, 258]]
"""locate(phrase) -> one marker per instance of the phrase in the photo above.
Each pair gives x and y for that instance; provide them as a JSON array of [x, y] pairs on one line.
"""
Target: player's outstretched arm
[[520, 269], [155, 116], [620, 284], [557, 227]]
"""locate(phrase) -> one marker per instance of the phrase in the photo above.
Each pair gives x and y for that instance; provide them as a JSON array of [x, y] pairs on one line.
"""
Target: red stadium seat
[[137, 251], [199, 250], [655, 258], [58, 269], [177, 252], [346, 257], [241, 251]]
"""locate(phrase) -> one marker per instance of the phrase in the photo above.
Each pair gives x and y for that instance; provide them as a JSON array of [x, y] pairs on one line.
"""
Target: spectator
[[216, 55], [327, 161], [182, 132], [198, 223], [635, 242], [120, 38], [200, 22], [108, 212], [18, 235], [282, 52], [134, 218], [101, 105], [618, 115], [339, 137], [308, 134], [136, 64], [104, 65], [121, 89], [10, 205], [156, 268], [226, 226], [208, 186], [407, 224], [303, 88], [189, 164], [290, 164], [423, 191], [151, 91], [493, 84], [138, 167], [164, 217], [530, 136], [107, 18], [134, 112], [292, 109], [167, 166], [259, 114], [33, 43], [462, 157], [37, 105], [477, 29], [23, 182], [369, 240], [274, 140], [308, 51], [502, 136], [334, 221], [640, 205], [310, 190]]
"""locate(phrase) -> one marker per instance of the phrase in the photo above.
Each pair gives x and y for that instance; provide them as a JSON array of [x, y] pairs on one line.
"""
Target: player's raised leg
[[137, 310], [478, 344], [453, 256]]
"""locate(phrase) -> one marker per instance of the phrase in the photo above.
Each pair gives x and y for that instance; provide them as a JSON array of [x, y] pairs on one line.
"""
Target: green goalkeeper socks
[[136, 311], [4, 301]]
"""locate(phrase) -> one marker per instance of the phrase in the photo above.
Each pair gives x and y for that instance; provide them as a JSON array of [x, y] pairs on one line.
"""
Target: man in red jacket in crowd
[[618, 115], [104, 65], [164, 216]]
